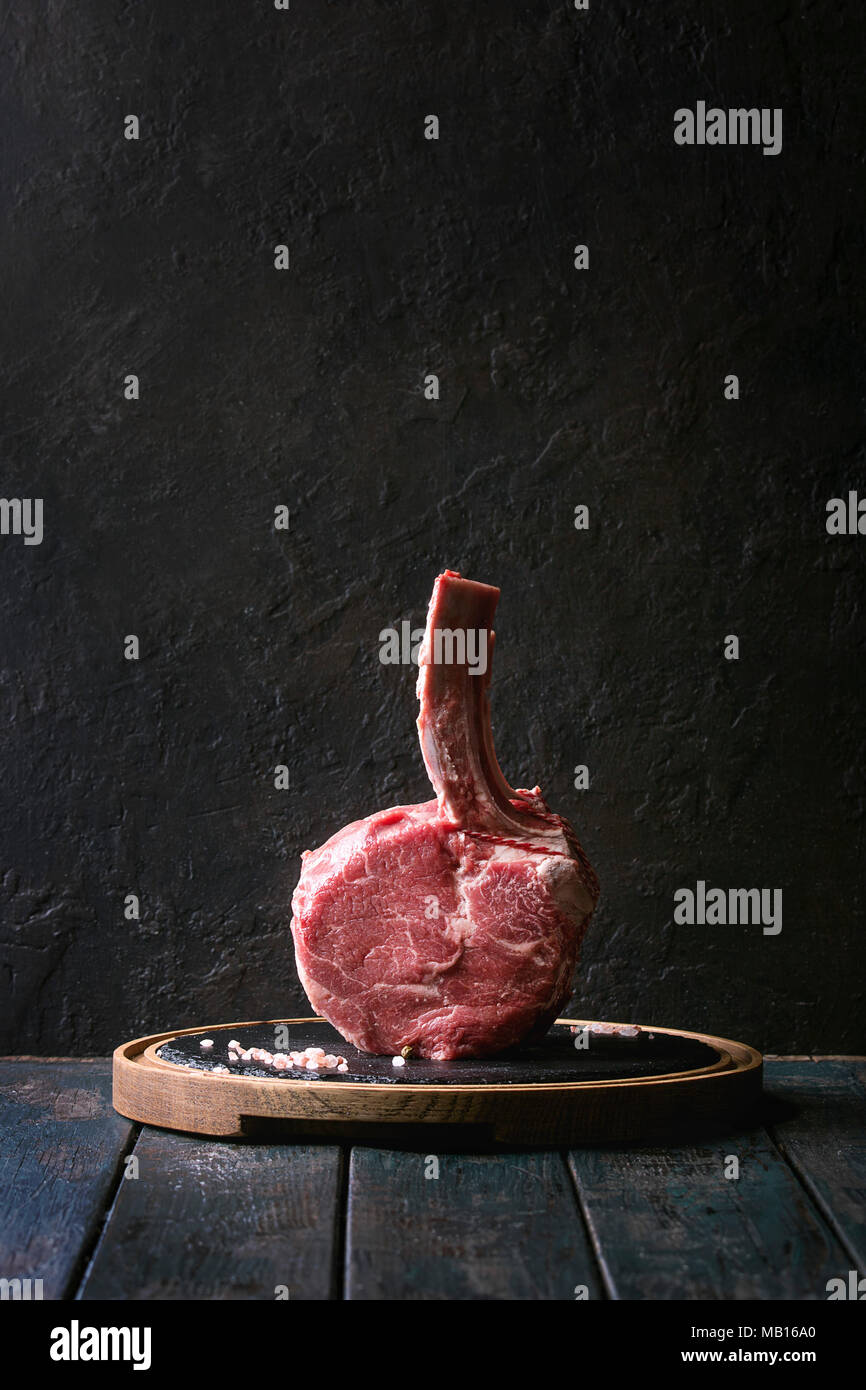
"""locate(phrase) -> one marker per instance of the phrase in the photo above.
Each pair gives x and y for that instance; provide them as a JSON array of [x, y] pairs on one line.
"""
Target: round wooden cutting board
[[583, 1083]]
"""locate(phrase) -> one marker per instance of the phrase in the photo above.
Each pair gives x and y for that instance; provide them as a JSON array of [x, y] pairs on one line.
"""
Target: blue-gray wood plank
[[61, 1155], [205, 1219], [480, 1227], [825, 1142], [221, 1221], [668, 1224]]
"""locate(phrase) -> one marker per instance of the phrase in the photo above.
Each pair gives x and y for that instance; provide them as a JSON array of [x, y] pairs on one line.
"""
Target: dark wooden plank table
[[99, 1208]]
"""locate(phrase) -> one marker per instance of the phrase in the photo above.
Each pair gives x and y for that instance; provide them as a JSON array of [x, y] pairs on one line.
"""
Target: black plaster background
[[305, 388]]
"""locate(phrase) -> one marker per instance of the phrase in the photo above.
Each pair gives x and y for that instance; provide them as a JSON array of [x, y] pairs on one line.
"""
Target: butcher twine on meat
[[453, 927]]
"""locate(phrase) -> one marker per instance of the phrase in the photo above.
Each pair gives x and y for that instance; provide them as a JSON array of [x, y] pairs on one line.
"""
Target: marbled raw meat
[[450, 927]]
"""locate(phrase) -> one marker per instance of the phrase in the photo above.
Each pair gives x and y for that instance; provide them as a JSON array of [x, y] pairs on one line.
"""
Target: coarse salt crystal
[[343, 1066], [236, 1045], [220, 1067], [206, 1042], [398, 1061]]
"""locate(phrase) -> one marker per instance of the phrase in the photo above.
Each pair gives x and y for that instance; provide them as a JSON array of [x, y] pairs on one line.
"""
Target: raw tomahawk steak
[[452, 927]]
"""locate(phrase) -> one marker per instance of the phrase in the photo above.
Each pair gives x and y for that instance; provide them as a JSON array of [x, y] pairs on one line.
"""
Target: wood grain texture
[[667, 1223], [825, 1141], [488, 1228], [208, 1220], [61, 1155], [153, 1091], [226, 1221]]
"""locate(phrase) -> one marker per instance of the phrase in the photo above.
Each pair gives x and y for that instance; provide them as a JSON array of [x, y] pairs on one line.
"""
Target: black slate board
[[609, 1057]]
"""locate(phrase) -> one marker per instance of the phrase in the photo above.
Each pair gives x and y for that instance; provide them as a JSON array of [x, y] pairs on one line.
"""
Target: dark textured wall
[[304, 387]]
